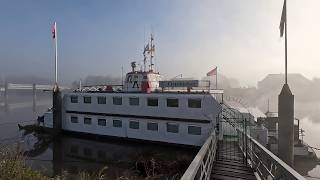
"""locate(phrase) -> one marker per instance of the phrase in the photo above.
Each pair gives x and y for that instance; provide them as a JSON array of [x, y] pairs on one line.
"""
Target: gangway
[[236, 155]]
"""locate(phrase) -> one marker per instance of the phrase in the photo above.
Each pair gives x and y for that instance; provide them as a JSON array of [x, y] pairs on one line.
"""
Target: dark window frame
[[150, 126], [102, 120], [74, 99], [175, 127], [172, 104], [86, 120], [198, 104], [134, 125], [87, 99], [114, 100], [132, 104], [72, 118], [99, 98], [114, 123], [194, 132], [150, 103]]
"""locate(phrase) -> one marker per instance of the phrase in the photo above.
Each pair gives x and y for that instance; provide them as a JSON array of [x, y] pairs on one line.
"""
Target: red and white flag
[[213, 72], [54, 30]]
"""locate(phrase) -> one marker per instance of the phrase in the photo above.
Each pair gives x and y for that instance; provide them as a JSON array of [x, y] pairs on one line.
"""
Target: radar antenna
[[133, 66]]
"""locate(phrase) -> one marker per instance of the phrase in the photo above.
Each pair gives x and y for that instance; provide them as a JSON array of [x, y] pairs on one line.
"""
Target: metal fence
[[267, 165], [201, 166]]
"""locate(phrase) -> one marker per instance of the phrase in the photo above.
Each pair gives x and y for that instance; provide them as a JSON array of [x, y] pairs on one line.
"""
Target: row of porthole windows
[[135, 101], [151, 126]]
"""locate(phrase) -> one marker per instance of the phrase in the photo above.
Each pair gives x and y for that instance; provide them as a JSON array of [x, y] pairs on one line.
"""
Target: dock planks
[[230, 163]]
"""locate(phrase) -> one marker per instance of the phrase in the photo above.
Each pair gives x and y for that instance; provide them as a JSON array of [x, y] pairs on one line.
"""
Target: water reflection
[[122, 158]]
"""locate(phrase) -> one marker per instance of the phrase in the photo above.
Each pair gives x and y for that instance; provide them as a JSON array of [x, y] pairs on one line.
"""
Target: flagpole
[[56, 53], [286, 53]]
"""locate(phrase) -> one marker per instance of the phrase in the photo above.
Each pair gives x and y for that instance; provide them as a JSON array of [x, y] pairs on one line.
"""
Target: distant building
[[272, 81]]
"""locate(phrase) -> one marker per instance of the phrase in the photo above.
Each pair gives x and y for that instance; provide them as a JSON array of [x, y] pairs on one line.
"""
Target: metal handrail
[[201, 166], [264, 162]]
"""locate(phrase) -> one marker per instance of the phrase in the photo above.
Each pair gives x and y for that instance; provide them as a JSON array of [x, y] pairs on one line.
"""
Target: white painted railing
[[201, 166]]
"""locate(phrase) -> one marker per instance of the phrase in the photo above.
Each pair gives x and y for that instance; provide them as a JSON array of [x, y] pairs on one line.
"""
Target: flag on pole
[[212, 72], [283, 18], [54, 30]]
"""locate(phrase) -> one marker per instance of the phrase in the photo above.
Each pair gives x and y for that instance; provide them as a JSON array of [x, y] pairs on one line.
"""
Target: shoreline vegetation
[[13, 167]]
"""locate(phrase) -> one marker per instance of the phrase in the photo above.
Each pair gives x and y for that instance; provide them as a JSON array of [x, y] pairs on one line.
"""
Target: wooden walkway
[[230, 163]]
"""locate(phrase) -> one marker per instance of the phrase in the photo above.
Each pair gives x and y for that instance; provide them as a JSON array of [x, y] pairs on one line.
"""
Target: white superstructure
[[142, 109]]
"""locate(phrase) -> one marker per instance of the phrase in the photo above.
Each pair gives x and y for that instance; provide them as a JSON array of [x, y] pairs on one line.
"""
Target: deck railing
[[201, 166], [267, 165]]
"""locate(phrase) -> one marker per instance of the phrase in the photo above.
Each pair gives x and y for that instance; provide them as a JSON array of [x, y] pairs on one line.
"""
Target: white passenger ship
[[175, 111]]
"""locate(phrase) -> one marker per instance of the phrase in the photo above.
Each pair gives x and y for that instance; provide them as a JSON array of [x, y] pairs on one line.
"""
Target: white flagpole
[[56, 53]]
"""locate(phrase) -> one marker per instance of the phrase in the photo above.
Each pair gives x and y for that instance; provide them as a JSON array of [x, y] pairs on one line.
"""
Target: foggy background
[[97, 38]]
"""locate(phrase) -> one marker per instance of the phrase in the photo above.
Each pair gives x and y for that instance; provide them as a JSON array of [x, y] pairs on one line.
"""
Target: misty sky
[[97, 37]]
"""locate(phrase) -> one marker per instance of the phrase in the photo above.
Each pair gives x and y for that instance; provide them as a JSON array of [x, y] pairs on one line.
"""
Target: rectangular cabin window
[[74, 119], [194, 130], [194, 103], [134, 125], [87, 99], [134, 101], [152, 126], [172, 128], [152, 101], [87, 120], [74, 99], [102, 100], [172, 102], [117, 100], [102, 122], [117, 123]]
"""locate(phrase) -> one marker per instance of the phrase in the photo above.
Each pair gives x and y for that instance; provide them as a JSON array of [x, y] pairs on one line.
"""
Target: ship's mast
[[145, 51], [151, 51], [148, 53]]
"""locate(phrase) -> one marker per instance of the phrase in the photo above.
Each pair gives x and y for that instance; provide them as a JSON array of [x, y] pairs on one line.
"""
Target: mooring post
[[57, 111], [286, 125], [34, 97]]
